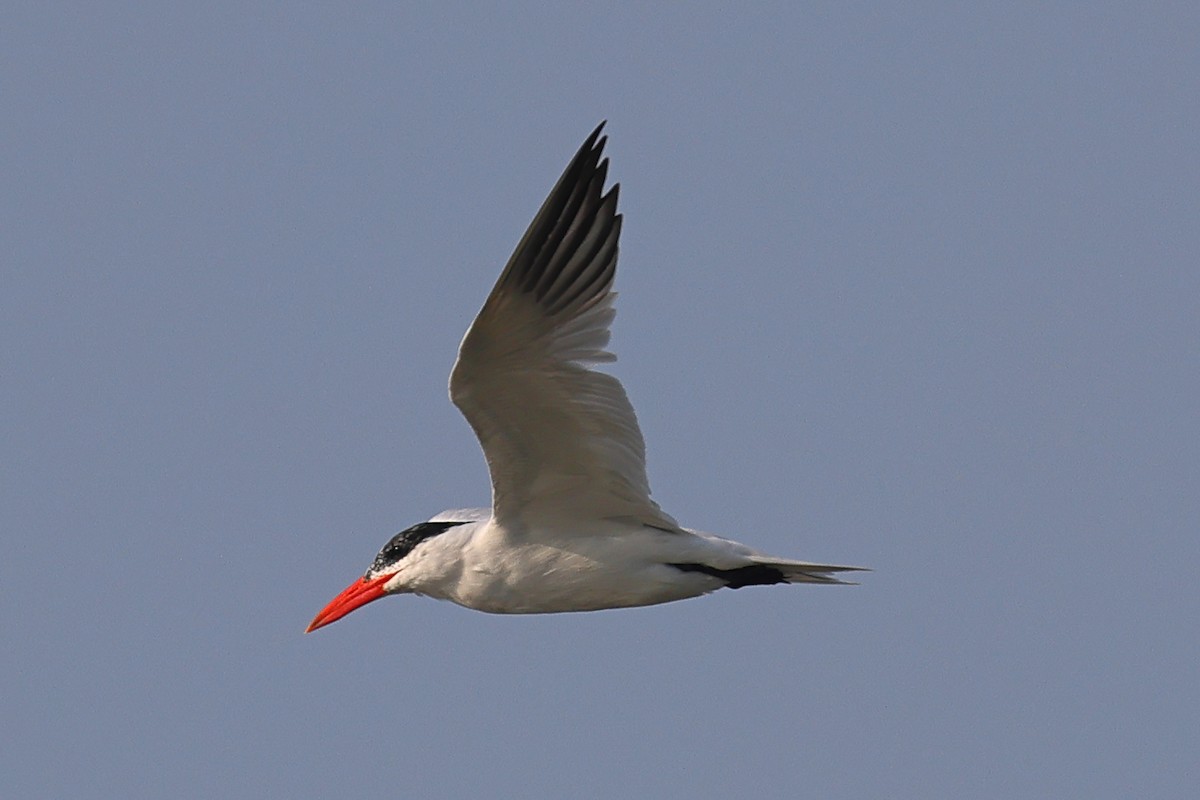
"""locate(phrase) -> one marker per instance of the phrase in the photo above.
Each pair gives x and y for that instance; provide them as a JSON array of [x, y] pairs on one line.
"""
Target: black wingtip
[[594, 141], [577, 211]]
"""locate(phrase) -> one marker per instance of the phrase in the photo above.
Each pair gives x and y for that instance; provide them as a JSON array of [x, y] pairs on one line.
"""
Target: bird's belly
[[538, 579]]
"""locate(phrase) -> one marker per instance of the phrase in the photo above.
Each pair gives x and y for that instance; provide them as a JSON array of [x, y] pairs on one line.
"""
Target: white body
[[595, 565]]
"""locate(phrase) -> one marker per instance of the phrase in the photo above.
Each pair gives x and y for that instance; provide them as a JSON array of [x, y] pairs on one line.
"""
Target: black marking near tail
[[752, 575], [403, 543]]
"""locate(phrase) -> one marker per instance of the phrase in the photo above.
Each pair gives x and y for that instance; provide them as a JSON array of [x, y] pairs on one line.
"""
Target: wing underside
[[560, 438]]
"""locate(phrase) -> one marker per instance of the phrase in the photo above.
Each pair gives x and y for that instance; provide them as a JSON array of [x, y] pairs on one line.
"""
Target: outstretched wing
[[561, 439]]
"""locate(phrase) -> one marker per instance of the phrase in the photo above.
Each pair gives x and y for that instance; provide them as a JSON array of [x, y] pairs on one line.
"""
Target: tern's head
[[386, 574]]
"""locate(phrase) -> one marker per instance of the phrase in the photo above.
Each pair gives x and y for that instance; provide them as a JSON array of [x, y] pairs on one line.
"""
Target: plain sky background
[[913, 286]]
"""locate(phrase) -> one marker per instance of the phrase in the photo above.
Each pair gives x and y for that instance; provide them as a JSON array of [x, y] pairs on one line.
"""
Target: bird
[[572, 526]]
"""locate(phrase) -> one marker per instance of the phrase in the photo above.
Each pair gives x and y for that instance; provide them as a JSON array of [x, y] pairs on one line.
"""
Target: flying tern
[[572, 526]]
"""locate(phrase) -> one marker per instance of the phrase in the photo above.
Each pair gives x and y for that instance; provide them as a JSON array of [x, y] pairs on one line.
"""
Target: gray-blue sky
[[911, 286]]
